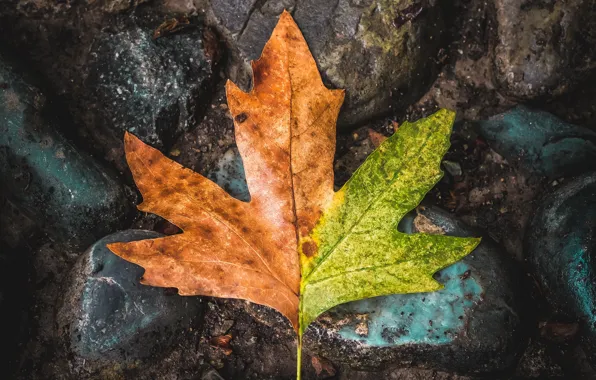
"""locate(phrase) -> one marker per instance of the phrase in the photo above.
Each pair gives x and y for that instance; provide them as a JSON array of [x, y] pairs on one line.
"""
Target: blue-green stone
[[154, 88], [561, 248], [540, 142], [67, 192], [107, 314]]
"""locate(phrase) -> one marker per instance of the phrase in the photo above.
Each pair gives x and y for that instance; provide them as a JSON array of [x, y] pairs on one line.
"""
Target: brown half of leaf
[[285, 132]]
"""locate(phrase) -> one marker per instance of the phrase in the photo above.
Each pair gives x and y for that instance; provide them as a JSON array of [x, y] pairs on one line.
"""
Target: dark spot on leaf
[[241, 118], [206, 232], [260, 71], [309, 249]]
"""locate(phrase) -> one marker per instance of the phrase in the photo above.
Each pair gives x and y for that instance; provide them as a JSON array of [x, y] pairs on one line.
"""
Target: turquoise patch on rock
[[540, 142], [430, 318]]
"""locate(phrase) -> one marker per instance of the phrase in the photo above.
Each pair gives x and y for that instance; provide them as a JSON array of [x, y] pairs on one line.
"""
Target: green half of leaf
[[360, 253]]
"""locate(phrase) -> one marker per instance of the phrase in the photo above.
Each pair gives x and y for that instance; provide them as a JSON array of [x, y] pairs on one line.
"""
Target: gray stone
[[382, 52], [106, 313], [561, 249], [150, 87], [543, 47], [471, 326], [453, 168], [65, 191]]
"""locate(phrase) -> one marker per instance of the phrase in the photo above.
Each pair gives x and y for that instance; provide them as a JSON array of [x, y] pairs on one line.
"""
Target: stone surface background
[[74, 75]]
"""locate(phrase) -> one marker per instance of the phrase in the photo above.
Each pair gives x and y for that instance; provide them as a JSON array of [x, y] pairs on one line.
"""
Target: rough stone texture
[[101, 63], [150, 87], [61, 188], [471, 326], [382, 52], [537, 362], [203, 148], [540, 142], [561, 249], [107, 314], [543, 47]]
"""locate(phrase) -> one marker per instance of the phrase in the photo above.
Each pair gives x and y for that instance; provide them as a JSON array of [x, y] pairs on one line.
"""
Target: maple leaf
[[296, 246]]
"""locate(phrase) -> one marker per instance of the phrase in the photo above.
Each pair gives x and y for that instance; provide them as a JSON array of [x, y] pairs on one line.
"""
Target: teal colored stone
[[154, 88], [471, 326], [64, 190], [561, 249], [430, 318], [106, 313], [540, 142]]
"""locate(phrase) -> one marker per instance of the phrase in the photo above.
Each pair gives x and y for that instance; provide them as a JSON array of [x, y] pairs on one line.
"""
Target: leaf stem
[[299, 357]]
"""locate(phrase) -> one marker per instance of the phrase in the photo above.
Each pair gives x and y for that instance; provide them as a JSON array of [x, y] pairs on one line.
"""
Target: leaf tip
[[131, 142], [115, 248], [475, 243], [445, 116]]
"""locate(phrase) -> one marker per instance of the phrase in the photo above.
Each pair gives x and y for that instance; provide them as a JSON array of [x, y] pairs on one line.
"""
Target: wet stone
[[543, 47], [471, 326], [107, 314], [561, 249], [382, 52], [70, 195], [151, 87], [540, 142]]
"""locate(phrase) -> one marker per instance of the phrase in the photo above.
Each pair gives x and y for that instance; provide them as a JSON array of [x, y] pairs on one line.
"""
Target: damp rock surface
[[383, 53], [471, 326], [561, 248], [543, 47], [542, 143], [67, 192], [152, 87], [106, 314]]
